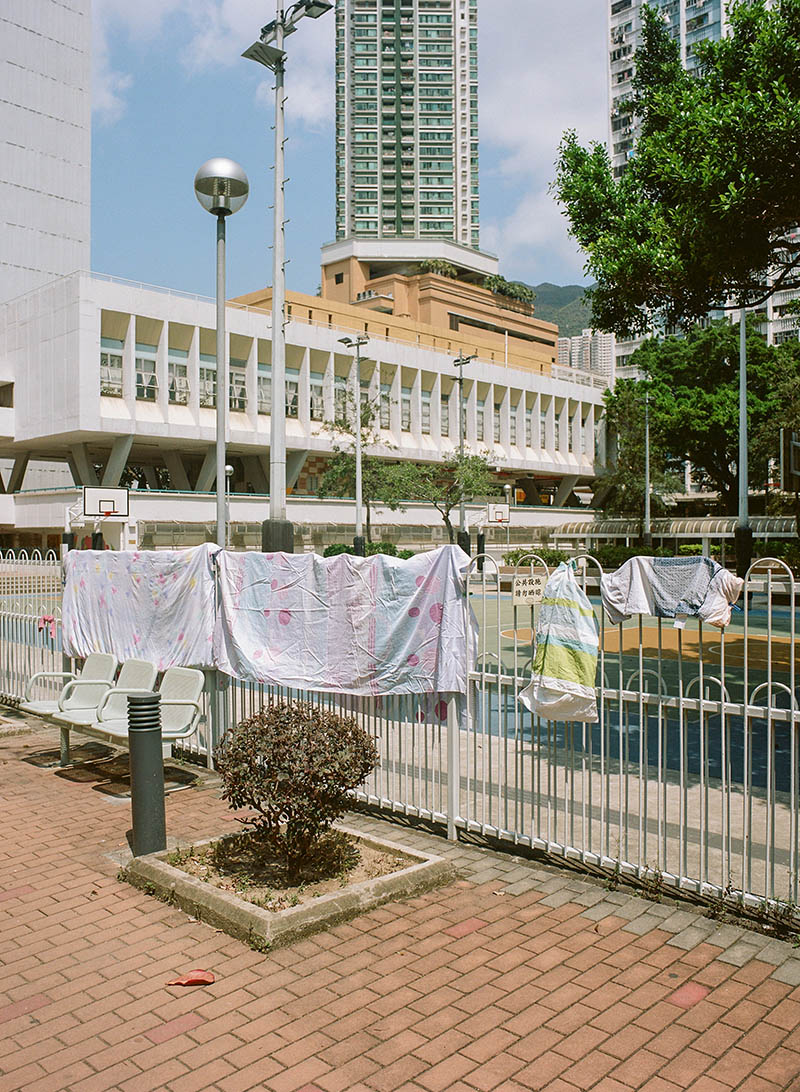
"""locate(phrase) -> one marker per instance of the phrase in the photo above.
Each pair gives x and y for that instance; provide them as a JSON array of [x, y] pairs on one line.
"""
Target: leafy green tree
[[441, 484], [514, 290], [620, 489], [694, 400], [707, 206], [440, 266]]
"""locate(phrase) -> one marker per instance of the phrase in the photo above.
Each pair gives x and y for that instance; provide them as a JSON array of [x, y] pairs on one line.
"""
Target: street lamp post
[[277, 533], [221, 187], [359, 545], [507, 491], [647, 534], [463, 534], [743, 534]]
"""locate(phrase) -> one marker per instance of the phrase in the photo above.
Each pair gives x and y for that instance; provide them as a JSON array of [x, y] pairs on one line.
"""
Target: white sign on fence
[[528, 589]]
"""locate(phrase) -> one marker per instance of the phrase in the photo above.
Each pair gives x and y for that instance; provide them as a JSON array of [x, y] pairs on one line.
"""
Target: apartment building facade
[[407, 120]]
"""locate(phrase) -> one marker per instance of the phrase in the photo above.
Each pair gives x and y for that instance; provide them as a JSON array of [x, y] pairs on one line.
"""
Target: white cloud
[[546, 76], [215, 32]]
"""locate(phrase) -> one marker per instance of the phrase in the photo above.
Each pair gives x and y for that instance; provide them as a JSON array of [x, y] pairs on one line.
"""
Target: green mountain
[[562, 304]]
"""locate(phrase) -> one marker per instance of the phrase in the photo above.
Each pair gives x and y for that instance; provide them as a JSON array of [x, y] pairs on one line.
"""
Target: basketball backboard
[[103, 502], [497, 513]]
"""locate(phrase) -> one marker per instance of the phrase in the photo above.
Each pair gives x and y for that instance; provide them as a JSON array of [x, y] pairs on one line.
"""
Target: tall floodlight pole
[[359, 545], [221, 187], [277, 533], [463, 534], [647, 534], [744, 534]]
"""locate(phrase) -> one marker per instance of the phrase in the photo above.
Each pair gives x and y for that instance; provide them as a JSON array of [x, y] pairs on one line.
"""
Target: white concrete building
[[45, 120], [107, 374]]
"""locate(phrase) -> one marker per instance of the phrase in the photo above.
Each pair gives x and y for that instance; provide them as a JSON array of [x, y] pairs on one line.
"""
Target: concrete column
[[193, 374], [129, 366], [162, 372], [118, 459], [251, 384], [436, 411], [80, 464], [328, 384], [178, 477], [17, 475], [295, 461], [208, 472], [471, 403], [304, 393], [416, 407], [395, 396], [565, 487]]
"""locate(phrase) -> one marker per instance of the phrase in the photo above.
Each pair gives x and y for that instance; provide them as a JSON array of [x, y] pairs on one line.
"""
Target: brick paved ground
[[513, 978]]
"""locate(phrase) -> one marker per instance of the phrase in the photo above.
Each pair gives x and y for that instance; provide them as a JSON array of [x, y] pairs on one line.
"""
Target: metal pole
[[743, 534], [647, 536], [359, 545], [148, 818], [222, 382], [462, 515], [277, 533]]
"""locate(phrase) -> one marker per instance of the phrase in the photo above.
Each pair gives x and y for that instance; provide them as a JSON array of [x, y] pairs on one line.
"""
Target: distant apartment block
[[407, 120], [589, 352]]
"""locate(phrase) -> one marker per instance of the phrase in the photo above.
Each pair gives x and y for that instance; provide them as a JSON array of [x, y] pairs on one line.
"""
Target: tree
[[514, 290], [441, 484], [620, 489], [706, 209], [382, 480], [440, 266], [694, 400]]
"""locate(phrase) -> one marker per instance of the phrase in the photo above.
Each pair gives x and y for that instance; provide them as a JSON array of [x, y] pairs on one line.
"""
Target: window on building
[[496, 423], [237, 388], [543, 428], [340, 399], [481, 420], [264, 388], [146, 382], [405, 409], [208, 380], [316, 396], [512, 426], [386, 406], [111, 367], [339, 278], [426, 412], [292, 392], [445, 415], [178, 377]]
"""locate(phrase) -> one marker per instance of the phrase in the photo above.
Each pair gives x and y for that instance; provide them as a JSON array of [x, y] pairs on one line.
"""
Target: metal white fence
[[690, 777]]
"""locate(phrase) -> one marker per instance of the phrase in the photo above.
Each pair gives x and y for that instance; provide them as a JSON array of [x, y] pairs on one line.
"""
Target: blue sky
[[170, 90]]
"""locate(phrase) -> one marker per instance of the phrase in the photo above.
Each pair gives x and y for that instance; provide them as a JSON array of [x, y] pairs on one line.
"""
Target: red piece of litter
[[193, 978]]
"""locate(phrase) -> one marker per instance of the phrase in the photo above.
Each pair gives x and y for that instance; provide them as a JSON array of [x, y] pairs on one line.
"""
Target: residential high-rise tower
[[407, 120]]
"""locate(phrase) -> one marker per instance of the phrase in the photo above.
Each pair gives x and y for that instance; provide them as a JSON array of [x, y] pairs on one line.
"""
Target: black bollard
[[481, 549], [148, 817], [360, 546]]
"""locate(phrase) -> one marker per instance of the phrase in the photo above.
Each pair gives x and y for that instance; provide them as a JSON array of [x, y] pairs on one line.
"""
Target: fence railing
[[690, 777]]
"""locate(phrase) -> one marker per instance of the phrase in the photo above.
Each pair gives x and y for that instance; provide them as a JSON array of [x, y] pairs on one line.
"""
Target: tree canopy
[[693, 387], [708, 205], [441, 484]]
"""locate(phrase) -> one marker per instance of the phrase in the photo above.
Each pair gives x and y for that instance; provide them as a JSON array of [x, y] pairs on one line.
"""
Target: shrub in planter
[[294, 765]]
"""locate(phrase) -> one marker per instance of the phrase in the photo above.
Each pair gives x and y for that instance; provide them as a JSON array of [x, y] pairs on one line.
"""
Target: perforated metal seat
[[82, 691]]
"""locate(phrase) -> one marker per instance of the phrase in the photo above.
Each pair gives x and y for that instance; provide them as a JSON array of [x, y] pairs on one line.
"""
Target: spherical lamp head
[[221, 186]]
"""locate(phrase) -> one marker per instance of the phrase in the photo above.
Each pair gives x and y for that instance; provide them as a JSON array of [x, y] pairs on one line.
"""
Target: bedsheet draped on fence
[[349, 625], [346, 625], [155, 605]]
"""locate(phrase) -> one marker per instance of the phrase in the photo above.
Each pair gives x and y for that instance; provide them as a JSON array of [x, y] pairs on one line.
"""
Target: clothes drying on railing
[[671, 587], [562, 686], [345, 624], [146, 605]]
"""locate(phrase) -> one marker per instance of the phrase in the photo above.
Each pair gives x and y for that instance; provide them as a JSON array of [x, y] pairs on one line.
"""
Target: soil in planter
[[244, 864]]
